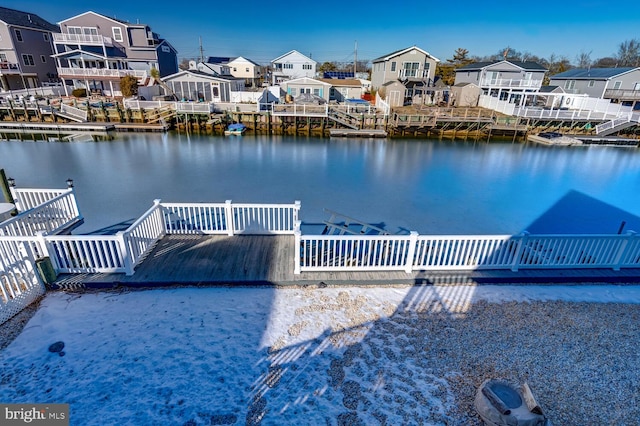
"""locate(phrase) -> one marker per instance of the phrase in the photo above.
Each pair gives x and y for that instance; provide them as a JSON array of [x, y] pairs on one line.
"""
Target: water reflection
[[427, 186]]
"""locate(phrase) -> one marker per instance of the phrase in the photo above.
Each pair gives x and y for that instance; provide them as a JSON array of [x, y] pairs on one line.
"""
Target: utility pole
[[201, 50], [355, 60]]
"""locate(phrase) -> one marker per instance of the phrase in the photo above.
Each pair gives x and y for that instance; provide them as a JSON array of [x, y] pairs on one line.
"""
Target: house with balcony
[[25, 50], [620, 85], [506, 80], [410, 64], [94, 51], [292, 65]]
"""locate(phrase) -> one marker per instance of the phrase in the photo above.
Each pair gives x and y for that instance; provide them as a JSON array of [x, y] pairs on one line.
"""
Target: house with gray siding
[[197, 86], [94, 51], [298, 86], [25, 50], [618, 84], [342, 89], [503, 79], [411, 63]]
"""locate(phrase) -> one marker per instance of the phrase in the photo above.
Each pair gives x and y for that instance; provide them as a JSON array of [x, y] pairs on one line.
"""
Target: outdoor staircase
[[343, 118], [70, 113], [161, 115], [615, 125]]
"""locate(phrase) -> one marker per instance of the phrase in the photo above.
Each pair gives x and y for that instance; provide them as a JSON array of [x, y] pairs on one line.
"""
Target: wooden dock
[[196, 260], [357, 133], [45, 127]]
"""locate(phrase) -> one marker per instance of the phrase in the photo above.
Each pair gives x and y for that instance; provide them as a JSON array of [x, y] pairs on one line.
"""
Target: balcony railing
[[100, 72], [413, 73], [510, 82], [82, 39], [9, 67], [622, 94]]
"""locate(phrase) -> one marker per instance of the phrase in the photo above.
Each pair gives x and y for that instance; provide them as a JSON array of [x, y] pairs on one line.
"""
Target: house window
[[570, 84], [3, 57], [18, 35], [425, 73], [393, 66], [287, 66], [316, 92], [246, 69], [74, 30], [43, 59], [45, 36], [591, 83], [617, 85], [90, 31], [306, 66], [117, 33], [410, 69], [234, 69], [166, 49], [292, 91], [27, 60]]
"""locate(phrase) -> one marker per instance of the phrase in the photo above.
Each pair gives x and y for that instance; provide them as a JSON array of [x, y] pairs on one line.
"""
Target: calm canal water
[[427, 186]]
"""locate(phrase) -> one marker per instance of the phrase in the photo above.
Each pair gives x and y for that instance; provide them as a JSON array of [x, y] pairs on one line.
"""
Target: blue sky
[[329, 30]]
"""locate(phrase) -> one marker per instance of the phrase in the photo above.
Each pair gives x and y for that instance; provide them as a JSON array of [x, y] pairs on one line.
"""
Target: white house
[[292, 65]]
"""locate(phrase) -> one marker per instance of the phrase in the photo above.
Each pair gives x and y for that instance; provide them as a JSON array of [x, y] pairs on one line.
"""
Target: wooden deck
[[194, 260]]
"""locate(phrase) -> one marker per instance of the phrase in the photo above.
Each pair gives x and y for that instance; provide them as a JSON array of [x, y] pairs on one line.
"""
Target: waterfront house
[[407, 64], [25, 50], [617, 84], [250, 71], [197, 86], [305, 85], [292, 65], [342, 89], [506, 80], [94, 51]]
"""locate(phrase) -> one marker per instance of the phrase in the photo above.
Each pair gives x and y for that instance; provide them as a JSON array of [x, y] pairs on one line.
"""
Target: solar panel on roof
[[338, 74]]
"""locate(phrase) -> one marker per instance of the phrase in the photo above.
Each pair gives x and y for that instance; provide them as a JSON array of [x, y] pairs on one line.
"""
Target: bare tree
[[629, 53], [583, 60]]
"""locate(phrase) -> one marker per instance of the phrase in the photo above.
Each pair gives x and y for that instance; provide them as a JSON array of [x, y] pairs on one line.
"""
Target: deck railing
[[19, 284], [86, 253], [50, 217], [415, 252], [28, 198]]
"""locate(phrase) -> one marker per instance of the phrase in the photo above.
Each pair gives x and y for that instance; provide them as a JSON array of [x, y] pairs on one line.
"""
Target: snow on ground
[[246, 355]]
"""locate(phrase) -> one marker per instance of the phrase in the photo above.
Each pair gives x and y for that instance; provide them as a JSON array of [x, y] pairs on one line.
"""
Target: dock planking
[[198, 260]]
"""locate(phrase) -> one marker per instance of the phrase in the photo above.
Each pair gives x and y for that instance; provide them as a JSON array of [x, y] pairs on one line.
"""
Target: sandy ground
[[339, 356]]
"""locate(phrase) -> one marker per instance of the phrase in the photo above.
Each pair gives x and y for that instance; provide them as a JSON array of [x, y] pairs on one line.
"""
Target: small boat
[[235, 129], [500, 404]]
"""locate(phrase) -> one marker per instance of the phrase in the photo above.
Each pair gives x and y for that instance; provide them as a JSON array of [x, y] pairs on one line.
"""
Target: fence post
[[516, 258], [127, 261], [296, 215], [42, 243], [228, 214], [623, 250], [411, 251], [297, 238], [160, 210]]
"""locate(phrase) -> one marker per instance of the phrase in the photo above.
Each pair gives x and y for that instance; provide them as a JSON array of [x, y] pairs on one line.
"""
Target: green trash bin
[[46, 271]]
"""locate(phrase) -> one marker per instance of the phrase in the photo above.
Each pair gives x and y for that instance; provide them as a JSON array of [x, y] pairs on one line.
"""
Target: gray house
[[194, 85], [617, 84], [94, 51], [298, 86], [25, 50], [411, 63], [502, 78]]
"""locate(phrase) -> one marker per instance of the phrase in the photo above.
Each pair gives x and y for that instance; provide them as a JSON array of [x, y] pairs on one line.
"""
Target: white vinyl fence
[[19, 283], [418, 252]]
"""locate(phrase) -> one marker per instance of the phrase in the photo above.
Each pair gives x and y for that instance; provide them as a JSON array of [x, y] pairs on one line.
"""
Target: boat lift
[[340, 224]]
